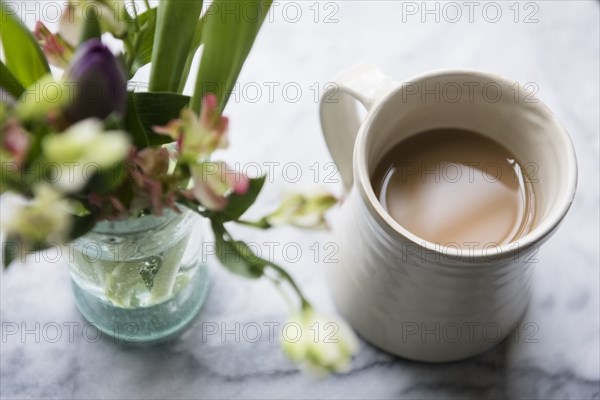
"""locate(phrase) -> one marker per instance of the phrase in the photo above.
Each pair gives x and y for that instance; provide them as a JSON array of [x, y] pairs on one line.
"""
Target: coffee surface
[[455, 187]]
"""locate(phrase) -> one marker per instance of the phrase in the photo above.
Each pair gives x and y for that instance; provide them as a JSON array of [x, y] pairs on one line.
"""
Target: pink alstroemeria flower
[[154, 163], [56, 49], [197, 138], [153, 166], [15, 142], [213, 182]]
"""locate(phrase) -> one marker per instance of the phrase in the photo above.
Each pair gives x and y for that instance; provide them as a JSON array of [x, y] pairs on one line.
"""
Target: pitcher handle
[[340, 120]]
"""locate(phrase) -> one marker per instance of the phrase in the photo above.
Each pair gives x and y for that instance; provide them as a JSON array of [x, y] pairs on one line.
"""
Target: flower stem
[[260, 224], [304, 303], [282, 274]]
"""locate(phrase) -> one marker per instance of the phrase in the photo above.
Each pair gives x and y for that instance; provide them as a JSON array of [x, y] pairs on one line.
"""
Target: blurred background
[[553, 45]]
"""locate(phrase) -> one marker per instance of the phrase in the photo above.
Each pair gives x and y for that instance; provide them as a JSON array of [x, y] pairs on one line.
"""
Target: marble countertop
[[554, 44]]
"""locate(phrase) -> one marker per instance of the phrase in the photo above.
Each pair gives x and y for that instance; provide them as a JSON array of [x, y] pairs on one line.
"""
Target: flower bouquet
[[89, 161]]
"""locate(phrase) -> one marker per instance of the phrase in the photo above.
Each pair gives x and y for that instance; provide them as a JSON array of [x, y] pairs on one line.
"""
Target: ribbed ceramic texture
[[420, 304]]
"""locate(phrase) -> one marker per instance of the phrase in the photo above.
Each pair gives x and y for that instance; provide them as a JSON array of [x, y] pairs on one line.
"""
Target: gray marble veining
[[557, 352]]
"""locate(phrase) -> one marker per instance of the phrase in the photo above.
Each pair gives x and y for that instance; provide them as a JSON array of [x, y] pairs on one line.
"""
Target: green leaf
[[82, 225], [10, 251], [175, 25], [24, 57], [228, 37], [145, 110], [106, 180], [236, 256], [238, 204], [196, 41], [143, 40], [11, 180], [9, 83]]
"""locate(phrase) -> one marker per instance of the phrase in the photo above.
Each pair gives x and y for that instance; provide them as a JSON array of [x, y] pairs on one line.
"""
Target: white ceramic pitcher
[[411, 297]]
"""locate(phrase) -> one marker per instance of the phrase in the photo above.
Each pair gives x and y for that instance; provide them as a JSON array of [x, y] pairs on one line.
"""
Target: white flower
[[82, 150], [317, 344], [41, 220], [43, 98], [110, 13]]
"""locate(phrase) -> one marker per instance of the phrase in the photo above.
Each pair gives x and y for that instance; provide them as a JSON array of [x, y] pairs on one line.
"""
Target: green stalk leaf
[[143, 40], [9, 83], [24, 57], [175, 25], [228, 35], [91, 29], [145, 110], [236, 256], [239, 258], [196, 41]]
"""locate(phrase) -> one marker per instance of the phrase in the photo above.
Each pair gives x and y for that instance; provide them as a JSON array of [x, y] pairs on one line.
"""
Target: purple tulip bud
[[99, 83]]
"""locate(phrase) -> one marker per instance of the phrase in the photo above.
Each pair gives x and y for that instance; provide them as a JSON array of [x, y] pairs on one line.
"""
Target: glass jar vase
[[141, 280]]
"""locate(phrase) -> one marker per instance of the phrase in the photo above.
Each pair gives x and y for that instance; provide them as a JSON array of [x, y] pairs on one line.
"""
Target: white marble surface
[[560, 53]]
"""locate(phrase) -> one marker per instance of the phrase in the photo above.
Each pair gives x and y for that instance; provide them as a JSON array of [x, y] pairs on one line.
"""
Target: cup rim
[[539, 233]]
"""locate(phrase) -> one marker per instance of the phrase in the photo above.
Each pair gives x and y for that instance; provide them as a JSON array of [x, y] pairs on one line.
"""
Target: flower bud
[[57, 50], [303, 210], [99, 83]]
